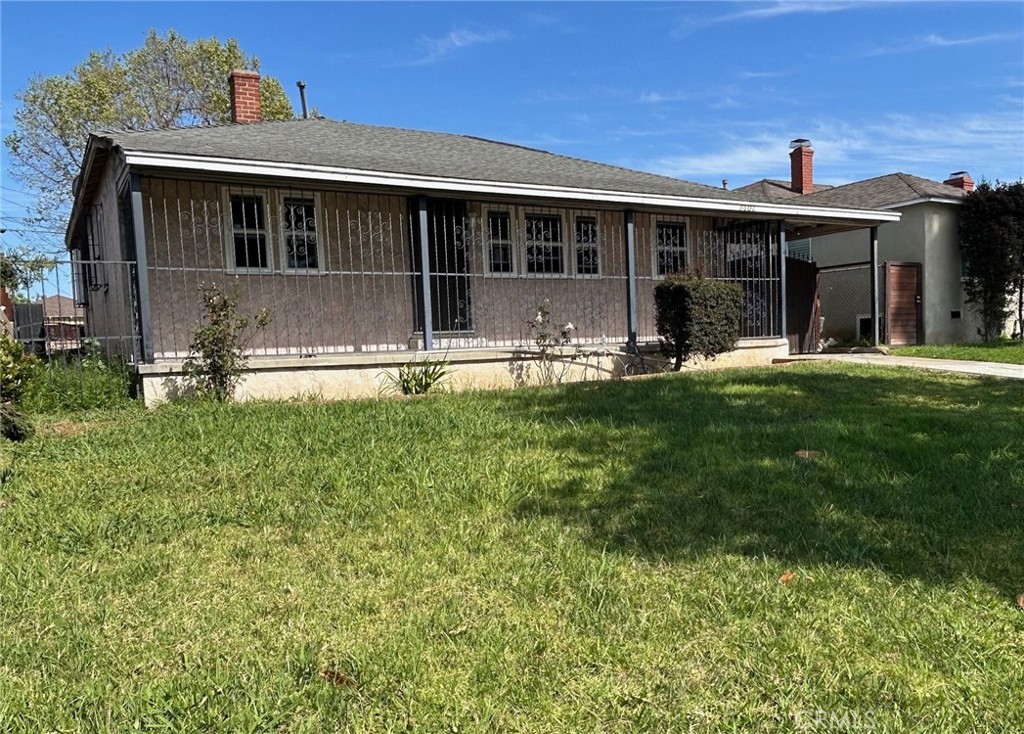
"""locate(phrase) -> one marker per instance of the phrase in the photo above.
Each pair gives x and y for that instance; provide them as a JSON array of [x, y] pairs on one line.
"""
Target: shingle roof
[[874, 193], [774, 190], [395, 150]]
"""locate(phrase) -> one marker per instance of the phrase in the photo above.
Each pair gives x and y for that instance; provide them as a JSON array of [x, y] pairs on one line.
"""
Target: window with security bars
[[499, 237], [545, 249], [587, 253], [670, 247], [298, 225], [249, 231]]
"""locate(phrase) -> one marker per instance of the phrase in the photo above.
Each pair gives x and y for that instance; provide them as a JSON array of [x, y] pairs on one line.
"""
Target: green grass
[[1005, 350], [589, 558]]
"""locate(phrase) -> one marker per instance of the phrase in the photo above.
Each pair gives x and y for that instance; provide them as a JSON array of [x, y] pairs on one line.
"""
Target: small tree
[[217, 356], [697, 316], [168, 81], [992, 245]]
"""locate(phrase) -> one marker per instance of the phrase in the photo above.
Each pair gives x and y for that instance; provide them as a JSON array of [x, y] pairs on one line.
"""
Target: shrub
[[217, 356], [697, 316], [18, 370], [551, 341], [419, 378]]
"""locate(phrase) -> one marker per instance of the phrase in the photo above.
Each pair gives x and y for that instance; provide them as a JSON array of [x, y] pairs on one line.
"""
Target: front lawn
[[1005, 350], [758, 550]]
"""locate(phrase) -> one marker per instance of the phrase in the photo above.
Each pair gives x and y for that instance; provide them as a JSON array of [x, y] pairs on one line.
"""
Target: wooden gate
[[802, 311], [903, 303]]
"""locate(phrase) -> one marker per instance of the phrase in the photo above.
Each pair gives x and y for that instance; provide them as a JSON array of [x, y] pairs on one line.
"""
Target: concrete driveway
[[989, 369]]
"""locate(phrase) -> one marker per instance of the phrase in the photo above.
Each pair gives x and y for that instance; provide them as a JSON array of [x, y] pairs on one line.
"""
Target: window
[[499, 237], [544, 247], [587, 257], [249, 231], [298, 233], [670, 247]]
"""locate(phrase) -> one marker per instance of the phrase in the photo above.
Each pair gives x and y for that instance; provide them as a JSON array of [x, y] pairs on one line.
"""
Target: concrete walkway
[[989, 369]]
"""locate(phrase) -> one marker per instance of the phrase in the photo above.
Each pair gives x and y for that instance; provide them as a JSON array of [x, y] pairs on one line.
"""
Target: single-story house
[[374, 246], [49, 326], [920, 279]]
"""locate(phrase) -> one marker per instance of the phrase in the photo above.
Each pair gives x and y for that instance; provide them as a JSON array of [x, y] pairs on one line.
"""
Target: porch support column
[[783, 253], [141, 268], [874, 287], [424, 236], [631, 319]]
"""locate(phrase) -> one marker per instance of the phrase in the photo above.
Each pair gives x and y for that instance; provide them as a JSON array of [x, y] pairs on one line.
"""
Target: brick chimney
[[245, 96], [960, 180], [801, 166]]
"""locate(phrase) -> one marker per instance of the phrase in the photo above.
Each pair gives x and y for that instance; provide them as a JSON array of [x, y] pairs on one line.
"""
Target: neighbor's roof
[[61, 308], [882, 192]]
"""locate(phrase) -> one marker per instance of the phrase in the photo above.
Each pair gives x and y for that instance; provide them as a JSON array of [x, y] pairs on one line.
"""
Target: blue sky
[[700, 90]]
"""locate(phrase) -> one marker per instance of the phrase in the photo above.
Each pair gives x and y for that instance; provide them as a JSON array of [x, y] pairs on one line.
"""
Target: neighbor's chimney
[[961, 180], [245, 96], [801, 166]]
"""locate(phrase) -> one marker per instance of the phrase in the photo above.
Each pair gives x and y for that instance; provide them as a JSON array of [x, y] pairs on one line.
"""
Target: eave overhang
[[795, 213]]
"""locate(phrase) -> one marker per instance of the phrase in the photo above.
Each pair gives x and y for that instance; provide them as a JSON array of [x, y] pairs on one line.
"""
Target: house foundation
[[353, 376]]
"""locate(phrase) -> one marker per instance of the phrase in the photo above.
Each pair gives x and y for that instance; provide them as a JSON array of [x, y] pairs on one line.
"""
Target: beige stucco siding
[[928, 233], [358, 298]]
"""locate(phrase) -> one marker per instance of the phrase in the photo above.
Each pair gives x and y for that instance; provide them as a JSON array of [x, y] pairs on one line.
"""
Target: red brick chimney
[[960, 180], [245, 96], [801, 166]]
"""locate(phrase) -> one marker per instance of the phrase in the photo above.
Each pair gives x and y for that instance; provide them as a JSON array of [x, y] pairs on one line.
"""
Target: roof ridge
[[204, 126]]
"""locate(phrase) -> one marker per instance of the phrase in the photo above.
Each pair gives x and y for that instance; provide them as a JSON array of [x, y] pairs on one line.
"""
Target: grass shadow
[[918, 475]]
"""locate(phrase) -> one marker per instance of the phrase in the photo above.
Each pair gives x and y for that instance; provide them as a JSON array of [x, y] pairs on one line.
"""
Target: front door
[[449, 267], [903, 303]]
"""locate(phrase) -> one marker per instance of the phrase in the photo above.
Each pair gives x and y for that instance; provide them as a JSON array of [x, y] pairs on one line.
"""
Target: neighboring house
[[373, 245], [920, 285], [50, 326]]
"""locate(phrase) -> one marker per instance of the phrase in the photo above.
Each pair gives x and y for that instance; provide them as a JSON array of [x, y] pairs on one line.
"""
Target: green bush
[[217, 358], [18, 370], [697, 316]]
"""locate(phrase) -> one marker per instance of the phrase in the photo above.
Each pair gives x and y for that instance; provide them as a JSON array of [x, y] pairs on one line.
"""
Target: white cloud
[[988, 144], [458, 39], [932, 41], [788, 7], [763, 74], [761, 11]]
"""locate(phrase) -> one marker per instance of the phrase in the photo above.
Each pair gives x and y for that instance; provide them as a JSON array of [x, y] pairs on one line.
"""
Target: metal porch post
[[428, 317], [631, 324], [783, 253], [874, 287], [141, 269]]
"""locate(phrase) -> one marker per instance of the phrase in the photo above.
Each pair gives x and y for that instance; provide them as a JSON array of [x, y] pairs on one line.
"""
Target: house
[[372, 246], [920, 277], [50, 326]]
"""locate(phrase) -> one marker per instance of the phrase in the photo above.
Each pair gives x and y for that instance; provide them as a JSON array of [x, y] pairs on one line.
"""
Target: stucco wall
[[927, 234], [358, 299], [362, 296]]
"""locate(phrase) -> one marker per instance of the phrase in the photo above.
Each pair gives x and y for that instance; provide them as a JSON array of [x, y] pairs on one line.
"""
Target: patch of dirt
[[65, 429]]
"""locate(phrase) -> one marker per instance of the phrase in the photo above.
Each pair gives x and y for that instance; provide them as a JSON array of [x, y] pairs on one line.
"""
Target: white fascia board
[[923, 200], [437, 183]]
